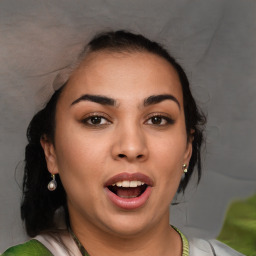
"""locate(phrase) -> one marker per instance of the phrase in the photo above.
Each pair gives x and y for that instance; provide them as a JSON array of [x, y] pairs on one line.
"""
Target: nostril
[[128, 157]]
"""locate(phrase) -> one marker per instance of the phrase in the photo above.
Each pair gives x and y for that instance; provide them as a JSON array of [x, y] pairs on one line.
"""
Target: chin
[[128, 225]]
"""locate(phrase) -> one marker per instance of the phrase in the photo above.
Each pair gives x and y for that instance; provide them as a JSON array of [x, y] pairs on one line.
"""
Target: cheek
[[168, 157], [79, 158], [76, 146], [79, 169], [170, 149]]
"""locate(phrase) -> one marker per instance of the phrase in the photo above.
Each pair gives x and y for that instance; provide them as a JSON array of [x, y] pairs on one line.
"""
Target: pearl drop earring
[[52, 185]]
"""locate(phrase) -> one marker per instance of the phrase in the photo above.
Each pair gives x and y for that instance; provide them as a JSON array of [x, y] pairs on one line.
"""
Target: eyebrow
[[154, 99], [103, 100]]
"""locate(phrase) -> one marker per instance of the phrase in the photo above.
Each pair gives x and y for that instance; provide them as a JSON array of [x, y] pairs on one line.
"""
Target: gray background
[[214, 40]]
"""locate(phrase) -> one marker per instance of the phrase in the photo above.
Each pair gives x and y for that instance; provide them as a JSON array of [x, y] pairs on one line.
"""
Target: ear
[[188, 152], [50, 155]]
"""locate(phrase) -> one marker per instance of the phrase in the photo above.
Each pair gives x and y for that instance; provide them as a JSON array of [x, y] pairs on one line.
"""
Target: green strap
[[185, 244], [30, 248], [79, 245]]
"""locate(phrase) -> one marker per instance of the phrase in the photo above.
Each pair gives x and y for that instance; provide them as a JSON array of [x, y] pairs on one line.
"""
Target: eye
[[159, 120], [95, 120]]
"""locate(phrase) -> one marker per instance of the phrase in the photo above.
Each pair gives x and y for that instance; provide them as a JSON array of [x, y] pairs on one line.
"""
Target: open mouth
[[128, 189]]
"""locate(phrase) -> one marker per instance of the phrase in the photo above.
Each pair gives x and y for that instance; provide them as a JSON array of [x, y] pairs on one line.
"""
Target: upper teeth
[[128, 184]]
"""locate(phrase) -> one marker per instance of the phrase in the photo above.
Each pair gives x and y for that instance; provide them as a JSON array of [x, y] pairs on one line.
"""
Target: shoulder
[[30, 248], [201, 247]]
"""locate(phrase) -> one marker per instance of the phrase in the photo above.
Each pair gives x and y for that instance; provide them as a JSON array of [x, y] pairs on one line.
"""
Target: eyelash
[[167, 119], [88, 118], [85, 121]]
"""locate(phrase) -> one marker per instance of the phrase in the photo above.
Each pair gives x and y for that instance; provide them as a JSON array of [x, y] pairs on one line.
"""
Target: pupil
[[156, 120], [96, 120]]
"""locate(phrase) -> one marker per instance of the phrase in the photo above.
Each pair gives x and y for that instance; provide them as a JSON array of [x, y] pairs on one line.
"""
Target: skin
[[86, 156]]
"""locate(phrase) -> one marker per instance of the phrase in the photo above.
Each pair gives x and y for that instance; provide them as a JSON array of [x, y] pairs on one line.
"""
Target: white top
[[201, 247], [56, 246]]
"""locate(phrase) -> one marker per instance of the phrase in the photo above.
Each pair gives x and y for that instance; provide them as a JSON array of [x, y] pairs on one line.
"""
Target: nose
[[130, 144]]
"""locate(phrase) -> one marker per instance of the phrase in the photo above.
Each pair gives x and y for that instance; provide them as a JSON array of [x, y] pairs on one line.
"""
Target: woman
[[119, 137]]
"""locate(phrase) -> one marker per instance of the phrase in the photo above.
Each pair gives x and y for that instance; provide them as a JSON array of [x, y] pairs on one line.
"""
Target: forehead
[[118, 74]]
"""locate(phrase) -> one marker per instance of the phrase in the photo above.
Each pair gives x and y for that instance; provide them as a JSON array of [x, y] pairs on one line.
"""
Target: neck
[[159, 239]]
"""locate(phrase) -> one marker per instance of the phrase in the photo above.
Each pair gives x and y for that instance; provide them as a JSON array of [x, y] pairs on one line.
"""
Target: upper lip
[[130, 177]]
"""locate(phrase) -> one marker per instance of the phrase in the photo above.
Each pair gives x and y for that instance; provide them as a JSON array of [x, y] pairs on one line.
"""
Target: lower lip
[[129, 203]]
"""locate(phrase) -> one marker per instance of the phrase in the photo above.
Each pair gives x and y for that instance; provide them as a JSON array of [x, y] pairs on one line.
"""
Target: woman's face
[[119, 124]]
